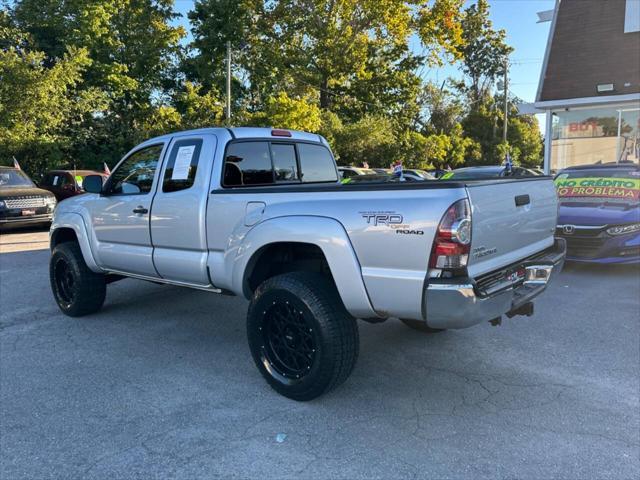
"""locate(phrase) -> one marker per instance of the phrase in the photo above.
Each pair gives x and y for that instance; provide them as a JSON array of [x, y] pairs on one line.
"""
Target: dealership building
[[589, 86]]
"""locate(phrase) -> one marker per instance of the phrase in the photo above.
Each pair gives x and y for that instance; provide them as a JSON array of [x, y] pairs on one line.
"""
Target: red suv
[[66, 183]]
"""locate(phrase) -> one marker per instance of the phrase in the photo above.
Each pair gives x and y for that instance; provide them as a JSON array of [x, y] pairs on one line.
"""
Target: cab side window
[[247, 163], [135, 175], [182, 165]]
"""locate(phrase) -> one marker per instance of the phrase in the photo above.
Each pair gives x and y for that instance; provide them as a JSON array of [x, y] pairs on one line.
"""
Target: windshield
[[472, 174], [14, 178], [612, 184], [424, 174]]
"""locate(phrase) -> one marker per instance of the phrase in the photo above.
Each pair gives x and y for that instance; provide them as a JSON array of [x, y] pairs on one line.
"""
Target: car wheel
[[78, 291], [301, 337], [420, 326]]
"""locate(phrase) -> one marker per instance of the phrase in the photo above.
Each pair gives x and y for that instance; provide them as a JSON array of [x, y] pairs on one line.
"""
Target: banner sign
[[606, 187]]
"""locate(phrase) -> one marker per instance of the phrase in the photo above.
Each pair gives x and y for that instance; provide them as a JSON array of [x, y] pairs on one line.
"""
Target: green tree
[[483, 50], [353, 53], [366, 140], [213, 24], [40, 106], [132, 50], [483, 124], [444, 110], [282, 111]]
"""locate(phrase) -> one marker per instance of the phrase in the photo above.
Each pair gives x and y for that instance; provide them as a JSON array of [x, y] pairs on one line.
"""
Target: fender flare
[[326, 233], [75, 222]]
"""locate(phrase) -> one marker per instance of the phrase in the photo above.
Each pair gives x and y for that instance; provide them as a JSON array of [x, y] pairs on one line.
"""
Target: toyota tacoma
[[260, 213]]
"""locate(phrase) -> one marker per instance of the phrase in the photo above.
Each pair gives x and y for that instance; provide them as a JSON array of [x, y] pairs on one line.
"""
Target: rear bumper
[[462, 302]]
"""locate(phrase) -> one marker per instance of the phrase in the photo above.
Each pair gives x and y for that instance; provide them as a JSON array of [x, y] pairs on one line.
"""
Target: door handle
[[140, 209], [522, 200]]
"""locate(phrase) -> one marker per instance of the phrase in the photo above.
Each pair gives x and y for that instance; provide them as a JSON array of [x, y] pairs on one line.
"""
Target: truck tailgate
[[511, 220]]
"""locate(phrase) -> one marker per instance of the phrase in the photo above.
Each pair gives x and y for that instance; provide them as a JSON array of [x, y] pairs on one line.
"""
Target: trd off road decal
[[392, 220]]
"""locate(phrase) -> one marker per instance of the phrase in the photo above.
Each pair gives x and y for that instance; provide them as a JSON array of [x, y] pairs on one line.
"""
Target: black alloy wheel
[[301, 337], [77, 290], [64, 281], [290, 344]]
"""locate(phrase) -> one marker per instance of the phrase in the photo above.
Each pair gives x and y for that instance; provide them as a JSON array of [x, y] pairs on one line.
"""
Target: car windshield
[[472, 174], [424, 174], [14, 178], [614, 185]]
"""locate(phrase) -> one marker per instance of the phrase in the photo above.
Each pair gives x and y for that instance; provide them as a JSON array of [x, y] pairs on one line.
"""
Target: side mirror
[[92, 184]]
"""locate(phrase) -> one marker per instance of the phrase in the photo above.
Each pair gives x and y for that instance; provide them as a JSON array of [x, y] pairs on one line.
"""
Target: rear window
[[618, 184], [284, 162], [316, 163], [266, 163]]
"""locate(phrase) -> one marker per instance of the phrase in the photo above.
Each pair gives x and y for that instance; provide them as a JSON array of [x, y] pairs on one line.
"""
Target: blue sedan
[[599, 213]]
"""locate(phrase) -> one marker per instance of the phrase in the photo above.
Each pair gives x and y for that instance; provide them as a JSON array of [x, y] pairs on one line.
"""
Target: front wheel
[[302, 339], [77, 290]]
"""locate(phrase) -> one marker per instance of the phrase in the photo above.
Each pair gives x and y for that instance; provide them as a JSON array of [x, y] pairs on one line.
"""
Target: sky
[[517, 17]]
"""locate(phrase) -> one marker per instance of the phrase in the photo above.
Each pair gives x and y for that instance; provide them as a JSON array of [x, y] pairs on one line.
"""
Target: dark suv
[[21, 202]]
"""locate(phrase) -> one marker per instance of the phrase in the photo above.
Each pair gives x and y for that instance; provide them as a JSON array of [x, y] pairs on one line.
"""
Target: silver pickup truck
[[260, 213]]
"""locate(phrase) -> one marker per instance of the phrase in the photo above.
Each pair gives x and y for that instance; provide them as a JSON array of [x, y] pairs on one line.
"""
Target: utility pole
[[228, 82], [506, 99]]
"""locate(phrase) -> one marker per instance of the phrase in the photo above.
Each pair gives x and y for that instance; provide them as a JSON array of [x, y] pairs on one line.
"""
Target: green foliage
[[282, 111], [483, 49], [484, 125], [40, 107], [131, 49], [85, 80], [365, 140], [198, 109]]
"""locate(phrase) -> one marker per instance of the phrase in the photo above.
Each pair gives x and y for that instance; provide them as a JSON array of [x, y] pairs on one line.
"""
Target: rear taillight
[[453, 239]]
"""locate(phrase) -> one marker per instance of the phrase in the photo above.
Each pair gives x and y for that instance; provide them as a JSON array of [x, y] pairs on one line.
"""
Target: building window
[[632, 16], [595, 135]]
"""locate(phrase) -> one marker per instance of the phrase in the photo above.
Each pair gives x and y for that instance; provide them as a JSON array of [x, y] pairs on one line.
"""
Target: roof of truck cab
[[242, 132]]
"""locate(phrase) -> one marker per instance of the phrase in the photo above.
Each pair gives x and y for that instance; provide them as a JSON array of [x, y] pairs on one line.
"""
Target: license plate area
[[28, 211]]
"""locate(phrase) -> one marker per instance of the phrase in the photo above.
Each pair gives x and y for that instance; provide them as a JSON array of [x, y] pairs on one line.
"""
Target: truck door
[[178, 215], [120, 216]]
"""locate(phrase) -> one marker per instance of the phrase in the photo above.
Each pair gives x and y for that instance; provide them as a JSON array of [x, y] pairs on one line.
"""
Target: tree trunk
[[325, 96]]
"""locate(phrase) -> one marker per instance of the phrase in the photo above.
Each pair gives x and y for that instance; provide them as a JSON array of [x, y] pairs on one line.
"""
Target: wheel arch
[[283, 257], [321, 243], [70, 227]]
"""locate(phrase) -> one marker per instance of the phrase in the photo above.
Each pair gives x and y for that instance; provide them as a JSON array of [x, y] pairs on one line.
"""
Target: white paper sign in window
[[182, 163]]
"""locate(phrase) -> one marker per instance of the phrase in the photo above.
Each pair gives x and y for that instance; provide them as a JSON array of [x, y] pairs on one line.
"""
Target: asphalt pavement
[[160, 384]]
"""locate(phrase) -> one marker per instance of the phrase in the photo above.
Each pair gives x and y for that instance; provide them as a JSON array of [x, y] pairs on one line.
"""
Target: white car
[[348, 172]]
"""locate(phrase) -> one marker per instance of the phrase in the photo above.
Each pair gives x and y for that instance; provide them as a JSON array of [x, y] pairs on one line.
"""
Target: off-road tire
[[305, 301], [421, 326], [77, 290]]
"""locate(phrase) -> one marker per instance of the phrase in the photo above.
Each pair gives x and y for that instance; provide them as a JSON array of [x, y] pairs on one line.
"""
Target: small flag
[[16, 164], [508, 164], [397, 170], [106, 169]]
